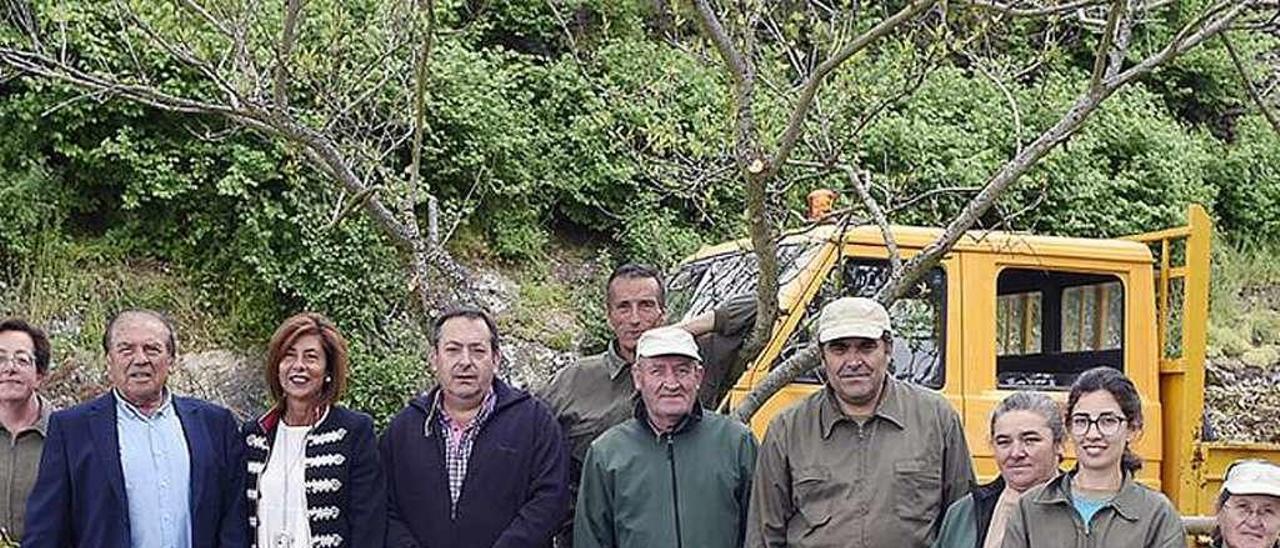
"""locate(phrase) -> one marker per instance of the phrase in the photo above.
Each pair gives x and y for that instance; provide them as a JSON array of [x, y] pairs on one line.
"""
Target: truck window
[[918, 319], [1051, 326], [701, 285], [1018, 324]]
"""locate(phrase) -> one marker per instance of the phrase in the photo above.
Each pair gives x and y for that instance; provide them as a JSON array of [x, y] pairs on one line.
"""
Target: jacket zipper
[[675, 491]]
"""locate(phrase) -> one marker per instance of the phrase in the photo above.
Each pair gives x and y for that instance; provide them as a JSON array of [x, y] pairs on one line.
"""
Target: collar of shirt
[[889, 408], [486, 408], [616, 364], [128, 410], [41, 425], [1127, 502]]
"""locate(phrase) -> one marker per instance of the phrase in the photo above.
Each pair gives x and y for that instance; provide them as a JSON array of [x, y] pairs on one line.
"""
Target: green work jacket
[[1137, 517], [685, 489]]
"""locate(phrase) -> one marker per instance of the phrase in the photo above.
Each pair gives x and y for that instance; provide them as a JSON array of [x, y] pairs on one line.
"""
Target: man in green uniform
[[867, 462], [672, 475], [596, 393]]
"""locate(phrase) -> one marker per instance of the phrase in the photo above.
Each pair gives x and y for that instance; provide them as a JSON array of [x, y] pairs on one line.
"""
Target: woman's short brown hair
[[335, 354]]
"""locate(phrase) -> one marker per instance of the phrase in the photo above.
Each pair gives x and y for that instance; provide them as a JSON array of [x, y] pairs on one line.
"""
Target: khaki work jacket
[[1137, 517], [824, 480]]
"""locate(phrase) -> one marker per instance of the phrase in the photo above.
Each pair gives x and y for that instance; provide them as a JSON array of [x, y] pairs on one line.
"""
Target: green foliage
[[1131, 168], [1248, 178], [546, 118], [1244, 304]]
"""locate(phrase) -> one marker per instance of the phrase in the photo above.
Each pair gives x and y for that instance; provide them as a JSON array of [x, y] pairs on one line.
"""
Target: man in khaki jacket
[[867, 462]]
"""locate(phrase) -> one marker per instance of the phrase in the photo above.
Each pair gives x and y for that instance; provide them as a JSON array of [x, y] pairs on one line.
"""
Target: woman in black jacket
[[314, 474], [1027, 436]]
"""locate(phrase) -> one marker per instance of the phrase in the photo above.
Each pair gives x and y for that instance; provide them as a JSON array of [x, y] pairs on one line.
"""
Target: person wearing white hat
[[1249, 506], [595, 392], [673, 475], [867, 462]]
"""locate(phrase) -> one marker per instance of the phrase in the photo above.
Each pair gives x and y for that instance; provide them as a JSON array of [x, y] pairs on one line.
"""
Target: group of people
[[616, 451]]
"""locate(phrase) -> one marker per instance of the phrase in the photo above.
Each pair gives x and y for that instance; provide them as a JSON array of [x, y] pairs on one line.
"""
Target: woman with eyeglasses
[[1098, 503], [1249, 506]]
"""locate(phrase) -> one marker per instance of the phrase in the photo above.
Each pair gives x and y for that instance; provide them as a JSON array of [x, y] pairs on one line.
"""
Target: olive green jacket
[[824, 480], [1137, 517], [19, 463], [594, 394]]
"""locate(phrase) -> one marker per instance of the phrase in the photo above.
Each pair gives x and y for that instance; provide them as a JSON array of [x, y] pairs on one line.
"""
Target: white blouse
[[282, 510]]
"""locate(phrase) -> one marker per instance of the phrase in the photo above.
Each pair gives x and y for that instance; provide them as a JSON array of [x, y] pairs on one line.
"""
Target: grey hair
[[1037, 403], [161, 317]]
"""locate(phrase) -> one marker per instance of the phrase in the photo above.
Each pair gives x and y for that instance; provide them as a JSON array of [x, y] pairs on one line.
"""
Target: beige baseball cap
[[1253, 477], [667, 341], [852, 317]]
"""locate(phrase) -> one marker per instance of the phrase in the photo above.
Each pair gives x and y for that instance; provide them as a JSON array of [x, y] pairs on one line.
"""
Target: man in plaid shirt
[[474, 462]]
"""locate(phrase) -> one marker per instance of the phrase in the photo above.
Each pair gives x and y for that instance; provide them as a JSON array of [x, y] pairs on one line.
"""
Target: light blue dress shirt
[[157, 475]]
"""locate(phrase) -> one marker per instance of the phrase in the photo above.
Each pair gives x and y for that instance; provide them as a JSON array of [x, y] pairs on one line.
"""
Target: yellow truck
[[1004, 312]]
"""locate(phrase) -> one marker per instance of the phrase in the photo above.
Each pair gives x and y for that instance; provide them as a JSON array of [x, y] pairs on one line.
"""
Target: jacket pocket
[[917, 490], [812, 496]]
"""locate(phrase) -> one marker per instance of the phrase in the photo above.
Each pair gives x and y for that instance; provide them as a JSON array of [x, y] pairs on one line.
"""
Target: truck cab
[[1003, 312]]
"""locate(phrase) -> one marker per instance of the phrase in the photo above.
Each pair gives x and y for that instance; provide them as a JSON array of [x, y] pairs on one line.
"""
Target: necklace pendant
[[284, 540]]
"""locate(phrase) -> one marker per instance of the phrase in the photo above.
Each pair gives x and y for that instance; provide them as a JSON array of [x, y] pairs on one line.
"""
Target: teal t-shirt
[[1087, 508]]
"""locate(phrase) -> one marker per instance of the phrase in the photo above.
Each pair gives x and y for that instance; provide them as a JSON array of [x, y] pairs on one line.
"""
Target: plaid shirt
[[458, 440]]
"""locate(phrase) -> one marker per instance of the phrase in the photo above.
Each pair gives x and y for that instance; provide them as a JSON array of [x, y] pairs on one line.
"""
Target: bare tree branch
[[1249, 86], [800, 110], [1033, 10], [1008, 97], [720, 38], [1108, 78], [289, 35], [1103, 59], [877, 214], [798, 364], [1080, 111]]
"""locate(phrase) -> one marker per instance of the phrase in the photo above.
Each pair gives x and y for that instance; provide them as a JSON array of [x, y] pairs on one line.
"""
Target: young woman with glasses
[[1098, 503]]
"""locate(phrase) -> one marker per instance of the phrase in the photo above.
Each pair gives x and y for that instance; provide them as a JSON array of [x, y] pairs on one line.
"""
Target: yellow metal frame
[[1182, 377]]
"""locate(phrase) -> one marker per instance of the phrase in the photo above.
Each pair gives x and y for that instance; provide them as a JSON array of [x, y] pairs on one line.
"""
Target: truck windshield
[[919, 326], [699, 286]]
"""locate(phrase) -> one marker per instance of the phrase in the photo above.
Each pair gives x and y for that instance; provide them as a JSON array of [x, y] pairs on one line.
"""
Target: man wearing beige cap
[[673, 475], [867, 462], [1249, 506]]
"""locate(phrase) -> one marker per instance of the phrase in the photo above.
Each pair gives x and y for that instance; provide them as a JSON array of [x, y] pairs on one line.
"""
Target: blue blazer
[[79, 496]]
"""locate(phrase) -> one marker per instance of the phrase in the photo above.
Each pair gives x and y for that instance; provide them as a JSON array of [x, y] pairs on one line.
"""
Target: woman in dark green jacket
[[1098, 504], [1027, 434]]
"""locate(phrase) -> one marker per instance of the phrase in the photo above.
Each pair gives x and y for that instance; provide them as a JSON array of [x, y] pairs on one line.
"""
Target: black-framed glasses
[[1108, 424]]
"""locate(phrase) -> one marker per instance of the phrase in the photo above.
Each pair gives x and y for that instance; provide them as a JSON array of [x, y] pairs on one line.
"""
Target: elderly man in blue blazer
[[139, 467]]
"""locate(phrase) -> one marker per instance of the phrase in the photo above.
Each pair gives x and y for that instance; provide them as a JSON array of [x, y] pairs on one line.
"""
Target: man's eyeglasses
[[1108, 424], [20, 361]]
